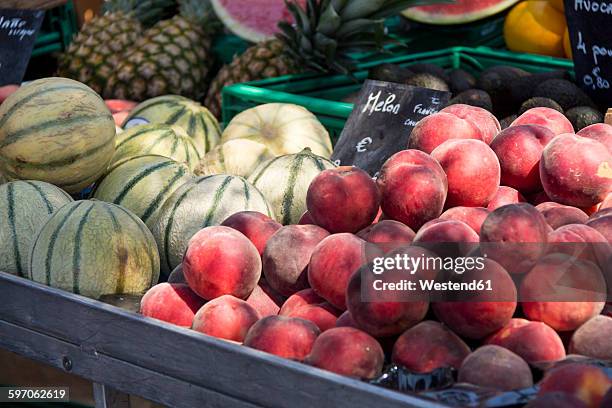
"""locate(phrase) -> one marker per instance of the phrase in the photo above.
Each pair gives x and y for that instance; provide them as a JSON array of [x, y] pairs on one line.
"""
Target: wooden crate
[[124, 352]]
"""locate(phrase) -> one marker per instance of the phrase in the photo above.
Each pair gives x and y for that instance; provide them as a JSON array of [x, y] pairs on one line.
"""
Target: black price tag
[[590, 28], [381, 123], [18, 30]]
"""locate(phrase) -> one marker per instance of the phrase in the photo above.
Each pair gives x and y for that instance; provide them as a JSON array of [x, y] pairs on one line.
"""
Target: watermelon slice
[[253, 20], [462, 11]]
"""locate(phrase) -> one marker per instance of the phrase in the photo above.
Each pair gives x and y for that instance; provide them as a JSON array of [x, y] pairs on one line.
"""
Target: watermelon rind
[[450, 14]]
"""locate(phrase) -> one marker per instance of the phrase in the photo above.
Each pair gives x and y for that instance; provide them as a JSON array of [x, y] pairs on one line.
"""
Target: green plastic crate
[[320, 93], [57, 30]]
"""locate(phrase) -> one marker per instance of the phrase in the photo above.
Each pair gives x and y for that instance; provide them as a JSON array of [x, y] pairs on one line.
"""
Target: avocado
[[539, 102], [496, 82], [425, 68], [428, 81], [522, 88], [474, 97], [460, 80], [507, 121], [583, 116], [564, 92], [390, 73]]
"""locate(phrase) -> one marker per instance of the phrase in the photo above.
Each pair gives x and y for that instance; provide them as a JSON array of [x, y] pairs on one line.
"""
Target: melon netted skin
[[192, 117], [238, 157], [94, 248], [460, 12], [284, 182], [161, 140], [25, 205], [142, 184], [199, 203], [56, 130], [284, 128]]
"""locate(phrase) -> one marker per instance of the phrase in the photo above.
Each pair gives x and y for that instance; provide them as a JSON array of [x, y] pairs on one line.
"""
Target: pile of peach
[[295, 291]]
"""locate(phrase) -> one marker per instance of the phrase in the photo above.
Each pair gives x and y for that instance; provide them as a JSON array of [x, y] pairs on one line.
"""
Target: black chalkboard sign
[[18, 30], [590, 28], [381, 123]]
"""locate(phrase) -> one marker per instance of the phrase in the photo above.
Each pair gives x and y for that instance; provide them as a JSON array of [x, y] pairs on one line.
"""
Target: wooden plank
[[185, 355], [115, 373], [107, 397], [31, 4]]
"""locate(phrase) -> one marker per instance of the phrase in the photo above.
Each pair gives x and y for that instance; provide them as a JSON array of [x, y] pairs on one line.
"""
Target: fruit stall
[[331, 203]]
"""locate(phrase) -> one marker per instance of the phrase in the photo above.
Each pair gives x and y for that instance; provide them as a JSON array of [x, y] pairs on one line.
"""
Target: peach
[[333, 262], [225, 317], [602, 132], [592, 339], [221, 261], [265, 300], [546, 205], [306, 219], [495, 367], [455, 238], [343, 199], [581, 241], [472, 216], [120, 105], [347, 351], [323, 315], [504, 196], [586, 382], [346, 320], [539, 197], [547, 117], [514, 235], [286, 272], [413, 188], [533, 341], [557, 400], [257, 227], [171, 302], [561, 215], [427, 346], [472, 170], [606, 203], [6, 91], [302, 298], [563, 292], [177, 276], [484, 312], [576, 171], [603, 224], [484, 120], [283, 336], [387, 234], [519, 149]]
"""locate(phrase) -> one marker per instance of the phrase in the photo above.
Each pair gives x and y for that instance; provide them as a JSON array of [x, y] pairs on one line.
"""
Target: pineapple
[[95, 51], [324, 35], [172, 57]]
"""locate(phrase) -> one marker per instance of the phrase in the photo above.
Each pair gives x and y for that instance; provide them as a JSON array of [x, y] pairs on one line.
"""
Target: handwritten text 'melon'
[[16, 27]]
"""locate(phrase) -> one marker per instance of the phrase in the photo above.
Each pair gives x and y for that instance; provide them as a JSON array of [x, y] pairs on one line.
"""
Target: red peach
[[581, 241], [287, 273], [472, 216], [484, 120], [427, 346], [343, 199], [547, 117], [519, 149], [576, 171], [265, 300], [120, 105], [603, 224], [347, 351], [533, 341], [286, 337], [387, 234], [226, 317], [433, 130], [257, 227], [6, 91], [546, 205], [504, 196], [586, 382], [323, 315], [456, 238], [592, 339], [559, 216], [346, 320], [306, 219], [602, 132], [540, 197], [495, 367], [171, 302], [302, 298], [472, 170], [221, 261]]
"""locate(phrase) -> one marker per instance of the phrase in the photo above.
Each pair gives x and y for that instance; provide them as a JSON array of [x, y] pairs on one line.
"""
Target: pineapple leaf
[[330, 21], [360, 8]]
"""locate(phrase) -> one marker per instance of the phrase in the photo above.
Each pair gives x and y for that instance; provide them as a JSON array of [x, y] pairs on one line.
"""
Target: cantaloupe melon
[[162, 140], [194, 118], [56, 130], [24, 207], [284, 128], [284, 182], [200, 203], [94, 248], [142, 184], [238, 157]]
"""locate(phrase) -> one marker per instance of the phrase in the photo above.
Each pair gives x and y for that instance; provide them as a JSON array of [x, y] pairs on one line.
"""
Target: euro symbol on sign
[[361, 146]]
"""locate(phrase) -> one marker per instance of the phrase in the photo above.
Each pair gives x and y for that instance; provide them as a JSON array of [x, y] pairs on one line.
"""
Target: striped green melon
[[162, 140], [24, 207], [194, 118], [284, 182], [238, 157], [142, 184], [199, 203], [56, 130], [94, 248]]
